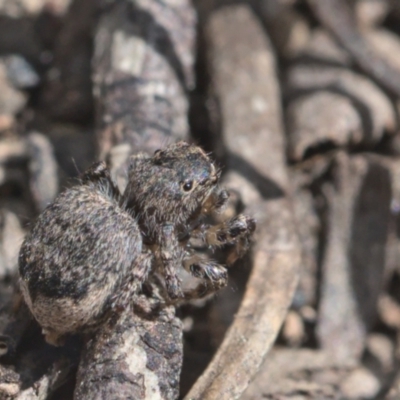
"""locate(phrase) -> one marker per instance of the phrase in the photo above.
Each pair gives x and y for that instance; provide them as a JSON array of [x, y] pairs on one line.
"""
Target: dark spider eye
[[187, 186]]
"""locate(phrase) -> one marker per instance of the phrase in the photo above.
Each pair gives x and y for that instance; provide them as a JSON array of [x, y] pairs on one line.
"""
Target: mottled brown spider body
[[93, 248]]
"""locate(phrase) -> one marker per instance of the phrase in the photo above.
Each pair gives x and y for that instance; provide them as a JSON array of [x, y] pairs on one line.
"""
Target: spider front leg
[[235, 231], [127, 294], [199, 292], [209, 270], [99, 174], [216, 201], [215, 277]]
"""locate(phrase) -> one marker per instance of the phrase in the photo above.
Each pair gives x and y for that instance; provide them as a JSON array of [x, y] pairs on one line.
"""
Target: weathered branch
[[243, 70], [132, 357], [143, 63]]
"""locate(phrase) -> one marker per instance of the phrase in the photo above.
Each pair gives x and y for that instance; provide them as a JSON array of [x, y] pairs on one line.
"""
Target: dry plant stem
[[143, 61], [254, 134], [354, 259], [308, 228], [340, 327], [337, 16]]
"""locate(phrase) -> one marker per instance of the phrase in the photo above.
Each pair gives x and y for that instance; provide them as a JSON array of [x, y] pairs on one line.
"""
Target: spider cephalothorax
[[171, 186], [94, 248]]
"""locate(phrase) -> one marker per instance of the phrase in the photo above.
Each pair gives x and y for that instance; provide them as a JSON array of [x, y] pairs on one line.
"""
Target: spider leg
[[214, 275], [133, 284], [202, 290], [99, 174], [216, 201], [199, 292], [171, 254], [238, 250], [235, 231], [204, 268], [95, 172], [227, 232]]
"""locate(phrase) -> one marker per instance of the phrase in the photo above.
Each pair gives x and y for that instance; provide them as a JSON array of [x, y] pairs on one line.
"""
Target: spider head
[[173, 185]]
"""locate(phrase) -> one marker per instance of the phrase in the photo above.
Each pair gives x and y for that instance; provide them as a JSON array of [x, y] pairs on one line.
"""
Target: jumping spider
[[94, 248]]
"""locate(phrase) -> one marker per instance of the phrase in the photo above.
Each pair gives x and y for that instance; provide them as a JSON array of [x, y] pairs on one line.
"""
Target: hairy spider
[[94, 248]]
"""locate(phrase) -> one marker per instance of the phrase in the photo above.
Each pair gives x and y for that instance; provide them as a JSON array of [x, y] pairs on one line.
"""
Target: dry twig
[[253, 131]]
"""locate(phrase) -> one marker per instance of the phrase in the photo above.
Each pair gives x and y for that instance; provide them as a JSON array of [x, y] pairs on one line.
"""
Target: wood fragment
[[251, 117], [290, 31], [287, 372], [143, 62], [11, 236], [43, 171], [374, 107], [385, 43], [370, 13], [338, 17], [131, 357], [353, 262], [323, 48], [320, 119], [12, 100], [360, 384], [309, 229]]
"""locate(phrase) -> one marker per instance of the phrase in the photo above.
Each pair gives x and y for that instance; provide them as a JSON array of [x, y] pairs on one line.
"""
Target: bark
[[132, 357], [143, 61]]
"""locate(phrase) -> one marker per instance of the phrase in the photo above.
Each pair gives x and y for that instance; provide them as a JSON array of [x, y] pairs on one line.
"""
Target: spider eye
[[187, 186]]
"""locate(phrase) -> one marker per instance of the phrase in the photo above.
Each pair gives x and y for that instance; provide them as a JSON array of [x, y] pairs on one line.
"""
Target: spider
[[94, 248]]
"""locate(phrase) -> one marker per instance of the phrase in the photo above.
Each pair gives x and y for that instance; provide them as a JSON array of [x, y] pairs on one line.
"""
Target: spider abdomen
[[76, 257]]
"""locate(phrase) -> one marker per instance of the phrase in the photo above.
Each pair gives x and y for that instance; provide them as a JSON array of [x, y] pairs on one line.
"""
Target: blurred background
[[298, 101]]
